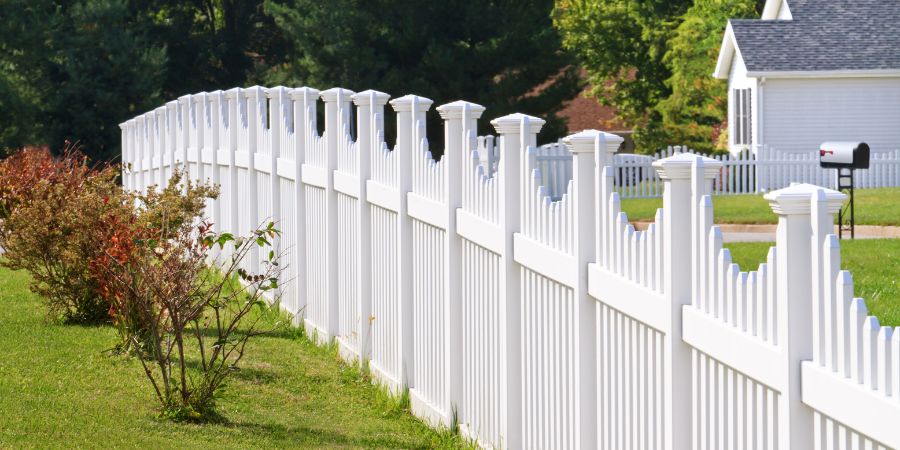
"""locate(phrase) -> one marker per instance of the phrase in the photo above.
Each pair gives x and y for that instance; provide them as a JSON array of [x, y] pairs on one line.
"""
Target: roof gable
[[824, 36], [775, 9]]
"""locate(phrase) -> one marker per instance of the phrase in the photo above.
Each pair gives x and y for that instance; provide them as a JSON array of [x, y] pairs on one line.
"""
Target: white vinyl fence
[[743, 173], [533, 323]]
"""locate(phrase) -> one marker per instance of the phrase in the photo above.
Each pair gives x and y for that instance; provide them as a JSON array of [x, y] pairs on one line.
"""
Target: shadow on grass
[[300, 434]]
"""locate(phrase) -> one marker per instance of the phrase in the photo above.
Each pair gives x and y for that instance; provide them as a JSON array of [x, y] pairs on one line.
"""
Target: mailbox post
[[845, 157]]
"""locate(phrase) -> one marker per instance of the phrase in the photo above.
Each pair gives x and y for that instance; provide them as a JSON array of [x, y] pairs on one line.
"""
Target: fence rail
[[744, 173], [538, 323]]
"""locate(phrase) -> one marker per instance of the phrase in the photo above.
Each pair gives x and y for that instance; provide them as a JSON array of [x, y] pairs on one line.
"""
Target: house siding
[[738, 79], [800, 114]]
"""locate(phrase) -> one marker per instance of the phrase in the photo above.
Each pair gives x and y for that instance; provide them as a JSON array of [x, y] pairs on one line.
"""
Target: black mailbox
[[844, 155]]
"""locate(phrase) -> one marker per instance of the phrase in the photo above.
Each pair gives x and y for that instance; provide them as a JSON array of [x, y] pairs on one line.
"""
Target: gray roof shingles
[[824, 35]]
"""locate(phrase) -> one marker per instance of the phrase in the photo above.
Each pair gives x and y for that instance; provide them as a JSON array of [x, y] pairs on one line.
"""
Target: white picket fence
[[538, 324], [743, 173]]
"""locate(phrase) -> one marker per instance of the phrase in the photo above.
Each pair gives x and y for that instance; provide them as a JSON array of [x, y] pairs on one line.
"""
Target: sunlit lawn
[[59, 389], [874, 264], [873, 207]]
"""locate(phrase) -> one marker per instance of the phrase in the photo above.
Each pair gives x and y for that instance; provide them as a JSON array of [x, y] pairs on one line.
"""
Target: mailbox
[[844, 155]]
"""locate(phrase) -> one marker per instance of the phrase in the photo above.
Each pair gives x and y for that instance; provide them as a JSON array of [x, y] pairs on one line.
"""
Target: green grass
[[873, 207], [874, 264], [58, 388]]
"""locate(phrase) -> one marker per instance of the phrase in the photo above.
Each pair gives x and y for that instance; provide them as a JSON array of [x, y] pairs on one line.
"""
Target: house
[[811, 71]]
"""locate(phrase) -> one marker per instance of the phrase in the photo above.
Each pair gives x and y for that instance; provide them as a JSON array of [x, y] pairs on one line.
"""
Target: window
[[742, 122]]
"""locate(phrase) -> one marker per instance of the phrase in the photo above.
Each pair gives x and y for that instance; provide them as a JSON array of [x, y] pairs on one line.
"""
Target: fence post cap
[[273, 92], [199, 97], [583, 141], [304, 92], [255, 92], [796, 198], [679, 166], [370, 96], [233, 92], [454, 110], [511, 123], [405, 103], [332, 95]]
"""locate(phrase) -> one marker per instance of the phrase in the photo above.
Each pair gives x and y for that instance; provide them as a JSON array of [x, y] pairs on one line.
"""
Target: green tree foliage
[[23, 57], [653, 61], [695, 111], [622, 45], [210, 44], [105, 69], [492, 52], [74, 70]]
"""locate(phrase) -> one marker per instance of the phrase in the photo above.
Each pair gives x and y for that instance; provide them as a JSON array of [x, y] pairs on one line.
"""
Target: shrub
[[187, 323], [156, 214], [51, 211]]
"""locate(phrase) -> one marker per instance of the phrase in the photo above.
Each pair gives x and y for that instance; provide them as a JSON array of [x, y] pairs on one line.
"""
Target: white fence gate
[[538, 323]]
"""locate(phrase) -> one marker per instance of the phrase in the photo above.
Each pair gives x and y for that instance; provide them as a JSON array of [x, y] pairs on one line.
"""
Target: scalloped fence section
[[745, 172], [536, 316]]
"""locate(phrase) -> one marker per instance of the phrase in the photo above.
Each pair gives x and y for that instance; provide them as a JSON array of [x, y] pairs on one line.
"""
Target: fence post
[[410, 110], [257, 112], [159, 146], [216, 104], [459, 120], [675, 171], [762, 183], [703, 172], [370, 106], [304, 133], [139, 153], [512, 128], [795, 304], [171, 146], [199, 130], [604, 147], [279, 122], [589, 149], [337, 113], [126, 161]]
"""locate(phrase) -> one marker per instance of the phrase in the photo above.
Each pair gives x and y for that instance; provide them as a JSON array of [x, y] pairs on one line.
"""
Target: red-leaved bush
[[181, 296], [184, 307], [52, 211]]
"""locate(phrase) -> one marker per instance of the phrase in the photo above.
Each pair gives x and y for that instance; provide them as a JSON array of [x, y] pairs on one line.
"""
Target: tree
[[104, 70], [622, 45], [695, 111], [211, 44], [493, 52], [23, 57], [74, 71]]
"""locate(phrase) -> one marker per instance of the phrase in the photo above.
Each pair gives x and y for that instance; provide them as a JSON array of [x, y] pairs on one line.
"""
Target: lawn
[[874, 264], [58, 388], [873, 207]]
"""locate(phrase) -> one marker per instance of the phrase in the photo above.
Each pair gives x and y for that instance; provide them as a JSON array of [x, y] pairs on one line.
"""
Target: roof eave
[[871, 73], [726, 54]]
